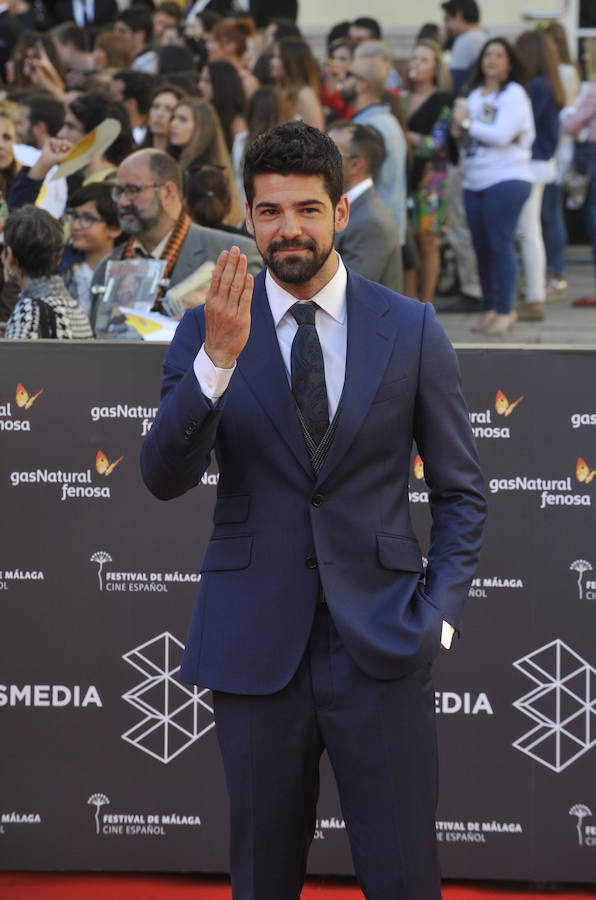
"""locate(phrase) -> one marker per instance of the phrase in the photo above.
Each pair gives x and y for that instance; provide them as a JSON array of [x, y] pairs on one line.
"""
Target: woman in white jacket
[[496, 128]]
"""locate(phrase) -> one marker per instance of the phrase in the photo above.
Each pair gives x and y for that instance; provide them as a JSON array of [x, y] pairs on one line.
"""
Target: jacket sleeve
[[452, 471], [177, 450], [24, 190]]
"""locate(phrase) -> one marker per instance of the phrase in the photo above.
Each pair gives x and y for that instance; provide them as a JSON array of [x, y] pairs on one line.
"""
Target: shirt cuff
[[447, 635], [212, 381]]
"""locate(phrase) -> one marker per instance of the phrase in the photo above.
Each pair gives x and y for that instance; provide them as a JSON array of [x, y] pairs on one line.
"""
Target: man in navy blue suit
[[314, 624]]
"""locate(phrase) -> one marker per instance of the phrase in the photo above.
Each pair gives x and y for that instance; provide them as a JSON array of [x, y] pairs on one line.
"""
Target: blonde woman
[[427, 105]]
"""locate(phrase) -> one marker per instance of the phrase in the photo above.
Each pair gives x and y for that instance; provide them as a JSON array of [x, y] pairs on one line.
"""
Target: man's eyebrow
[[270, 204]]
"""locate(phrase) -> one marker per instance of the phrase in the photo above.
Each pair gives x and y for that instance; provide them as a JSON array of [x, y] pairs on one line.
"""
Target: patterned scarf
[[170, 253]]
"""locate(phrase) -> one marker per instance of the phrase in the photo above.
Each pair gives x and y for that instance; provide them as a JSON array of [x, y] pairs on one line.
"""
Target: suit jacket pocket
[[231, 510], [389, 390], [400, 553], [227, 554]]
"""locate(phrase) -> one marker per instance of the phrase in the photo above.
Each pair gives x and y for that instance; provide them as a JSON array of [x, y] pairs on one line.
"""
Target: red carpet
[[104, 886]]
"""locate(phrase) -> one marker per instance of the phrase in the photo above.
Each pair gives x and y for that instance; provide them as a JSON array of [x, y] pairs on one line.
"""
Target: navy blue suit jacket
[[274, 520]]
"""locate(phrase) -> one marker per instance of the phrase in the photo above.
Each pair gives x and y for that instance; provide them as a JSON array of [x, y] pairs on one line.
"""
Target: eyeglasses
[[350, 74], [132, 191], [85, 220]]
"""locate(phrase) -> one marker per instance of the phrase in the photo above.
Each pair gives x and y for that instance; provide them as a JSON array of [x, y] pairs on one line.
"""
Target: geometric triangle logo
[[175, 715], [562, 705]]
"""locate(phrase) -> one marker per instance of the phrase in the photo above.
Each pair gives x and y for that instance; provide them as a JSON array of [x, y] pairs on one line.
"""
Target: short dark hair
[[92, 108], [365, 141], [468, 9], [70, 33], [138, 86], [100, 193], [339, 30], [371, 25], [166, 168], [36, 240], [169, 8], [45, 108], [138, 18], [294, 148]]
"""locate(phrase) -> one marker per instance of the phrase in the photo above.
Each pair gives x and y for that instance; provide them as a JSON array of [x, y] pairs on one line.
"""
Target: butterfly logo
[[503, 406], [418, 468], [583, 472], [103, 465], [24, 399]]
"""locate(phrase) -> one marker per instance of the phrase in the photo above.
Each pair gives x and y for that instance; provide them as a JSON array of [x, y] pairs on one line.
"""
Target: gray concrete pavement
[[564, 324]]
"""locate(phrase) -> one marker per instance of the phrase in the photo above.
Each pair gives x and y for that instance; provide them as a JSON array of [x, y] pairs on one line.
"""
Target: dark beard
[[295, 270], [348, 94], [140, 223]]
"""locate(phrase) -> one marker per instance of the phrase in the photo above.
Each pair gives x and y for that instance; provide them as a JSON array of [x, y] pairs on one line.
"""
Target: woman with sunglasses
[[94, 229]]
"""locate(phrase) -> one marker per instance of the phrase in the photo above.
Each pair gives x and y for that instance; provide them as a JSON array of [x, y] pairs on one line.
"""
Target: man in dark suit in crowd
[[84, 12], [314, 624], [370, 242]]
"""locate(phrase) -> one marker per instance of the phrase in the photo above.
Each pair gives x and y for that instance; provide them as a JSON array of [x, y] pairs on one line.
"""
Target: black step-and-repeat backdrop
[[107, 761]]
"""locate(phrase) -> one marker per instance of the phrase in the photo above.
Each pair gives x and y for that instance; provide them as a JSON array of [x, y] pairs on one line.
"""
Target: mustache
[[292, 244]]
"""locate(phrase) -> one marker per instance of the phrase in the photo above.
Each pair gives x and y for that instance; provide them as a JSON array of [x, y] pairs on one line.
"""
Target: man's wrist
[[220, 360]]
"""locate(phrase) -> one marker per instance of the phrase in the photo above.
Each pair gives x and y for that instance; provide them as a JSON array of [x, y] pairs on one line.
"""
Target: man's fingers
[[246, 295]]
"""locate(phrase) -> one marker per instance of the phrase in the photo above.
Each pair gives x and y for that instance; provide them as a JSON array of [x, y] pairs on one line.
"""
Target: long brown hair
[[539, 54], [207, 146]]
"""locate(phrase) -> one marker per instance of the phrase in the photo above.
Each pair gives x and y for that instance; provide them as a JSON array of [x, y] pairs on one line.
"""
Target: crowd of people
[[469, 142]]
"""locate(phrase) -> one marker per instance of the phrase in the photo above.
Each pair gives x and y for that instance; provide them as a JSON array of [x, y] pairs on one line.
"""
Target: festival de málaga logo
[[482, 422], [76, 485], [23, 401], [134, 823], [115, 580], [586, 834], [585, 590]]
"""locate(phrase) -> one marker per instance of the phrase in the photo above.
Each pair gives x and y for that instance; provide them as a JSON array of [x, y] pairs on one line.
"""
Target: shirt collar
[[331, 297], [157, 251], [358, 190]]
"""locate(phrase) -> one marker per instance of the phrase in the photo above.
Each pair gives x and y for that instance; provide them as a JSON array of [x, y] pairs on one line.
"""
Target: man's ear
[[9, 260], [249, 223], [342, 214]]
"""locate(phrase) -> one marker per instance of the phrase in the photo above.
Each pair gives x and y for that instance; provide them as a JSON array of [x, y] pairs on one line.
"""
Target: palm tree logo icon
[[97, 800], [581, 811], [100, 558], [581, 566]]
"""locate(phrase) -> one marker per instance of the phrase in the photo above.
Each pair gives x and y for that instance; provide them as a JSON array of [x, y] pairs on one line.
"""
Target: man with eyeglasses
[[148, 191], [363, 88]]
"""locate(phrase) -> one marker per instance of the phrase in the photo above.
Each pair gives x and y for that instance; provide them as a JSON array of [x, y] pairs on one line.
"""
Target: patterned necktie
[[308, 372]]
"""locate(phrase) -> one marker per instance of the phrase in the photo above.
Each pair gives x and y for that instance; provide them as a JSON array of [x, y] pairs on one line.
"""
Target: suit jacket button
[[189, 430], [317, 500], [311, 562]]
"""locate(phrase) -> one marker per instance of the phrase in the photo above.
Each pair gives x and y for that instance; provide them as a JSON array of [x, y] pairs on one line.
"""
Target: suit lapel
[[262, 367], [371, 338]]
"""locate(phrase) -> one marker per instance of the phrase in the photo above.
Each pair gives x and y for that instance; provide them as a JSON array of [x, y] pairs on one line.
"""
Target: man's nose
[[290, 224]]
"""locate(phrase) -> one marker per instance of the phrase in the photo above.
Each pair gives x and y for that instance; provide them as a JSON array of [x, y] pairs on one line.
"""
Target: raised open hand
[[227, 309]]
